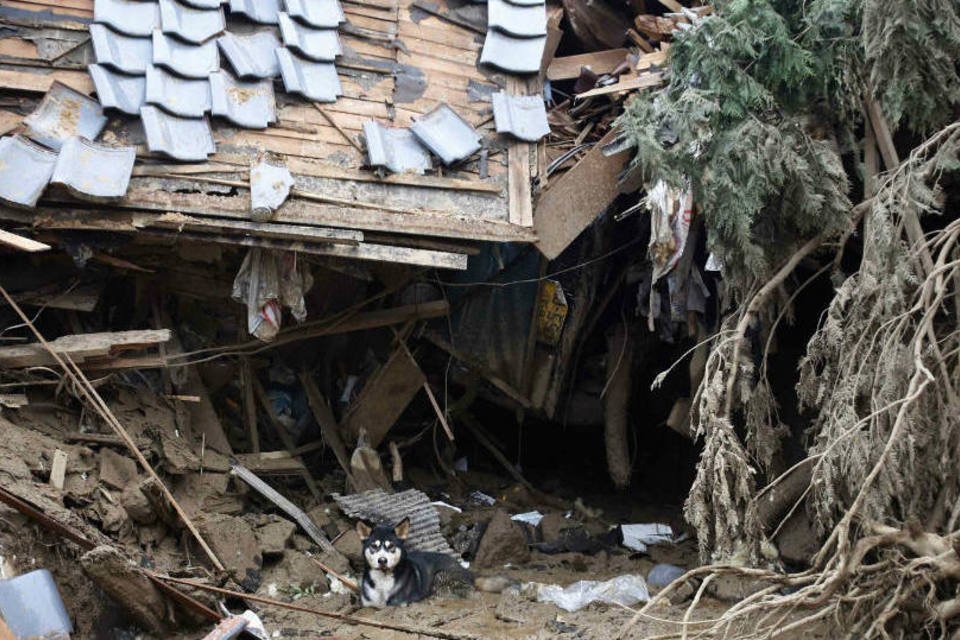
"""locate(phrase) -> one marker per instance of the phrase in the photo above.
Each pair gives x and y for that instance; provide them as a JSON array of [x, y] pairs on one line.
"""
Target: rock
[[553, 524], [502, 542], [116, 471], [734, 588], [303, 543], [797, 541], [663, 574], [299, 571], [349, 545], [274, 536], [151, 535], [235, 544], [130, 588], [138, 506]]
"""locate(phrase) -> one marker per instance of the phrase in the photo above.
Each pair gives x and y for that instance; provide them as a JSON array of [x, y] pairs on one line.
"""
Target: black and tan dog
[[394, 576]]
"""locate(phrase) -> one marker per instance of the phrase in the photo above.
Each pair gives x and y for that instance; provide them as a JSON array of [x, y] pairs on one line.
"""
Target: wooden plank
[[9, 121], [520, 197], [13, 400], [264, 464], [673, 5], [58, 469], [275, 230], [20, 243], [384, 397], [639, 82], [41, 82], [600, 62], [576, 198], [328, 424], [249, 404], [81, 347]]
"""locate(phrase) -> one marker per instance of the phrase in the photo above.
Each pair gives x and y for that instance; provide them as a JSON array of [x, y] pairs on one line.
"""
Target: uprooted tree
[[774, 115]]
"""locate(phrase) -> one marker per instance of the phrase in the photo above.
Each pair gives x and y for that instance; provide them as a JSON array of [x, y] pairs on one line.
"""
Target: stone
[[138, 506], [116, 471], [797, 541], [129, 587], [553, 524], [274, 537], [350, 545], [503, 542], [299, 571], [234, 543]]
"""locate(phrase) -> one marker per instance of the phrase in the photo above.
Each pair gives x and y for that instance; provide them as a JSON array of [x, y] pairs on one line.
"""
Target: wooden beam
[[20, 243], [642, 81], [600, 62], [520, 197], [81, 347], [328, 424]]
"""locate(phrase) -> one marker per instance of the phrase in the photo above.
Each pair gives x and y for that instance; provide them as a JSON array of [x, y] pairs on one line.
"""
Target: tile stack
[[516, 35]]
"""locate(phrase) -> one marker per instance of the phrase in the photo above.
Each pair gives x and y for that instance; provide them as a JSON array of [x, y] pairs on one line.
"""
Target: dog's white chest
[[378, 593]]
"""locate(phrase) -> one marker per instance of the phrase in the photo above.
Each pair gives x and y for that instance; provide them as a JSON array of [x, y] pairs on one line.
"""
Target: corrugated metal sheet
[[317, 44], [191, 24], [394, 148], [315, 80], [131, 17], [323, 14], [179, 138], [448, 135], [123, 53], [64, 112], [118, 90], [516, 55], [262, 11], [248, 104], [25, 170], [180, 96], [523, 116], [188, 60], [252, 55], [93, 171], [381, 507], [519, 20]]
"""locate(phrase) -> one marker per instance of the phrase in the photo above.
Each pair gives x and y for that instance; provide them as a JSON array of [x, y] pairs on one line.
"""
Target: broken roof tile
[[397, 149], [523, 116], [248, 104], [180, 96], [179, 138], [25, 170], [188, 60], [269, 187], [64, 112], [516, 55], [191, 24], [448, 135], [251, 55], [118, 90], [94, 171], [316, 44], [132, 17], [262, 11], [124, 53], [522, 21], [315, 80], [323, 14]]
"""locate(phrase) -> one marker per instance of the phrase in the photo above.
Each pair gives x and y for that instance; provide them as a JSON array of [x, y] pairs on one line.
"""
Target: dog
[[394, 576]]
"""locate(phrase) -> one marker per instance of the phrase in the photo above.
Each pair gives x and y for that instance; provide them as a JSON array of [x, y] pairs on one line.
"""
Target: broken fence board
[[21, 243], [81, 347]]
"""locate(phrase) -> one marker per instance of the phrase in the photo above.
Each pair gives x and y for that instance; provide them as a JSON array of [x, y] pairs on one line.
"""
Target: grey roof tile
[[397, 149], [188, 60], [248, 104], [64, 112], [262, 11], [25, 170], [516, 55], [315, 80], [124, 53], [522, 21], [180, 96], [118, 90], [523, 116], [323, 14], [269, 187], [448, 135], [179, 138], [316, 44], [203, 4], [191, 24], [252, 55], [132, 17], [94, 171]]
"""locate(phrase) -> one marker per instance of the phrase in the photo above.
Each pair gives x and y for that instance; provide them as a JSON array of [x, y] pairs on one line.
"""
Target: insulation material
[[266, 282], [381, 507]]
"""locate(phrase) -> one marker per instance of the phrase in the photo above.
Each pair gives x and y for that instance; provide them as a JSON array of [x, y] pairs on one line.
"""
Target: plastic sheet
[[627, 590], [266, 282]]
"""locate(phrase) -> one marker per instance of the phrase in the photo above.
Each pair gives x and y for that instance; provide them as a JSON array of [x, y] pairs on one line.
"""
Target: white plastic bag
[[627, 590], [266, 280]]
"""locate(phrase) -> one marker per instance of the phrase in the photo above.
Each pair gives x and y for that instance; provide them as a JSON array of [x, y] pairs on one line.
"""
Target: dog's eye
[[388, 546], [376, 544]]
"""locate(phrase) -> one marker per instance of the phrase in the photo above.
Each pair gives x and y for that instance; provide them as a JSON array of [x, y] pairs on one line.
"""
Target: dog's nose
[[382, 562]]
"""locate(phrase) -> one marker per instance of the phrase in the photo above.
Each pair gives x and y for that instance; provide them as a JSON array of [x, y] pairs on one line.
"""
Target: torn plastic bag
[[267, 281], [627, 590], [671, 211]]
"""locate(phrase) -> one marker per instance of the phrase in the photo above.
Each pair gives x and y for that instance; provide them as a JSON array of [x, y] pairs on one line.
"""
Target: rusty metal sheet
[[262, 11], [395, 148], [179, 138], [381, 507], [323, 14], [187, 60], [94, 171], [523, 116], [252, 55], [189, 23], [180, 96], [317, 44], [25, 170], [250, 104], [525, 21], [132, 17], [118, 90], [447, 134], [315, 80], [516, 55], [64, 112], [121, 52]]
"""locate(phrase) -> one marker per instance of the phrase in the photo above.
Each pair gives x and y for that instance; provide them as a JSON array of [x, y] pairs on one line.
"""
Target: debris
[[638, 536], [447, 134], [266, 280], [663, 574], [58, 468], [116, 471], [234, 542], [64, 113], [31, 606], [378, 506], [395, 148], [523, 116], [13, 400], [137, 504], [503, 542], [20, 243], [270, 184], [248, 622], [81, 349], [274, 537], [626, 590], [532, 518], [129, 587], [366, 470]]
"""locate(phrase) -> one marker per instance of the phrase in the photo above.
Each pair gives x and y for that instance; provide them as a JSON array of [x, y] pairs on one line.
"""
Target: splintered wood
[[83, 349]]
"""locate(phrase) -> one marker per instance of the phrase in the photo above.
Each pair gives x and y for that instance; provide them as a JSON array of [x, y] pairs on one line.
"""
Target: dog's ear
[[402, 529], [363, 529]]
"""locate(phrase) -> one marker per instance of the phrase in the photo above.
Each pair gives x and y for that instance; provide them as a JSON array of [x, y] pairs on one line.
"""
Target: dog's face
[[382, 544]]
